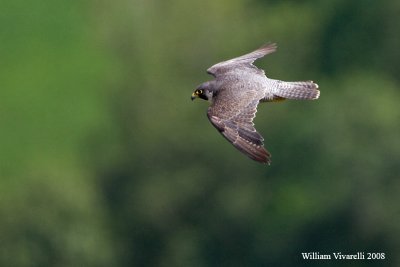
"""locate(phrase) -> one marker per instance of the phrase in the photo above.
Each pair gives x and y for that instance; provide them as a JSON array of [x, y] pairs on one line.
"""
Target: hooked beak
[[194, 96]]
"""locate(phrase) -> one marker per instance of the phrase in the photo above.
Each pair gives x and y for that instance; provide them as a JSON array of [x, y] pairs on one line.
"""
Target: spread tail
[[297, 90]]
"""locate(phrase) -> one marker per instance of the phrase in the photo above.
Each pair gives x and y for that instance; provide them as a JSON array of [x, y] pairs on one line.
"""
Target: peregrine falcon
[[234, 94]]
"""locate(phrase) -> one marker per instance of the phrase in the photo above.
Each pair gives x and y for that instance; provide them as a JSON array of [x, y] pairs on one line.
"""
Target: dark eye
[[199, 92]]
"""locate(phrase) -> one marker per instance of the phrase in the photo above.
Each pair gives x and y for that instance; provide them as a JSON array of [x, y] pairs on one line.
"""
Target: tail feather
[[297, 90]]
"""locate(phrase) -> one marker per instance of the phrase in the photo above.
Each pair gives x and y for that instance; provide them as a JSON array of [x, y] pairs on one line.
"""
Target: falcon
[[235, 92]]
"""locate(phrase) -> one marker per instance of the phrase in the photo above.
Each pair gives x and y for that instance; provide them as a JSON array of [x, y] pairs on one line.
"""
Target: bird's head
[[204, 91]]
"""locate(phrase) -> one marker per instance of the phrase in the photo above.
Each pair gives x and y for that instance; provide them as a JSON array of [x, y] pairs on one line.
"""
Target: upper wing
[[239, 130], [242, 61]]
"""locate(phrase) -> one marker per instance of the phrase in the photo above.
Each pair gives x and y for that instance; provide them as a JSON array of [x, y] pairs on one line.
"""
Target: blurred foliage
[[106, 161]]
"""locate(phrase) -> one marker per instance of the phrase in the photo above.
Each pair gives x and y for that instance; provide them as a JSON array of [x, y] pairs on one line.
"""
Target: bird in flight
[[236, 90]]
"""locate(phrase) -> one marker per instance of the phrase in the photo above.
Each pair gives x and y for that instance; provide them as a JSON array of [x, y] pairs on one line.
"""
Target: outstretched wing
[[238, 128], [245, 61]]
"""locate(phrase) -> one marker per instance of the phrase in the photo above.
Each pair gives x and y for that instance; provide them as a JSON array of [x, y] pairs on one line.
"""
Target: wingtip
[[266, 160], [262, 156], [271, 47]]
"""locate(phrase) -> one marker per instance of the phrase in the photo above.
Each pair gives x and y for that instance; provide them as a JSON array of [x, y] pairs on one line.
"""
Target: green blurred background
[[105, 161]]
